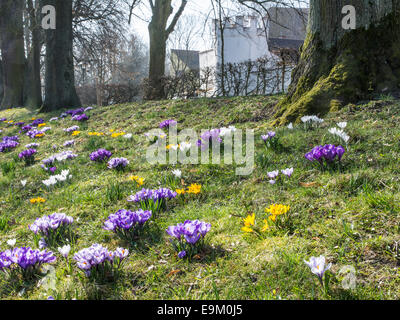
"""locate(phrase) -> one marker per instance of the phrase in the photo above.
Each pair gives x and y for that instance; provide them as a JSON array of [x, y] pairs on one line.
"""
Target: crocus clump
[[210, 136], [26, 128], [325, 155], [12, 138], [74, 112], [63, 176], [62, 156], [26, 260], [28, 155], [127, 224], [99, 263], [268, 136], [71, 129], [80, 117], [168, 124], [100, 155], [271, 141], [69, 143], [54, 228], [117, 163], [311, 121], [188, 237], [153, 200], [33, 133], [8, 145], [36, 122], [32, 145], [274, 175]]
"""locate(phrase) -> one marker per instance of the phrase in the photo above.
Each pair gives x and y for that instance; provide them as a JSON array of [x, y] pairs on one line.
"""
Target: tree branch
[[178, 14]]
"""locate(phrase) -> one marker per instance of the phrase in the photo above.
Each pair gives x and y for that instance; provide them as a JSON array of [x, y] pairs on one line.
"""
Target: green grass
[[349, 215]]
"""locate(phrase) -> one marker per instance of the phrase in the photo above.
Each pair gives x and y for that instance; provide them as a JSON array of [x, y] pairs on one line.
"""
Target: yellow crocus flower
[[250, 220], [194, 188]]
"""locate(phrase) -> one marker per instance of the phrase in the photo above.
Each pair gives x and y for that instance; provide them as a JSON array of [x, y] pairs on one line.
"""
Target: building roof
[[189, 58]]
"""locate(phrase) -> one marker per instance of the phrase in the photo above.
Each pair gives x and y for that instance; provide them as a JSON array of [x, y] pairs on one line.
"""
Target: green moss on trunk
[[363, 63]]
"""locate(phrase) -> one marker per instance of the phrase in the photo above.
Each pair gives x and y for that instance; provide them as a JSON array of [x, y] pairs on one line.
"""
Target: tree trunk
[[12, 50], [1, 80], [60, 89], [159, 33], [339, 66], [158, 48], [33, 88]]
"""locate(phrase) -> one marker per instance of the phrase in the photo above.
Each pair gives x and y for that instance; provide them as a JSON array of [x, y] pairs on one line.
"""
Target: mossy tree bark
[[60, 89], [12, 50], [339, 66]]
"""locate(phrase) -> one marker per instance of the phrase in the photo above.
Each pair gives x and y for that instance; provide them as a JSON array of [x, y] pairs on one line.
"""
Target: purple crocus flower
[[28, 155], [6, 146], [46, 224], [182, 254], [149, 194], [26, 128], [168, 123], [25, 257], [100, 155], [269, 135], [97, 256], [190, 231], [80, 117], [288, 172], [327, 153], [117, 163], [36, 122], [125, 220]]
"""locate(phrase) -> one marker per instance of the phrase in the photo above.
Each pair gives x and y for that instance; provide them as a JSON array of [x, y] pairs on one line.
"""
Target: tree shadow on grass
[[17, 284], [210, 254], [141, 243]]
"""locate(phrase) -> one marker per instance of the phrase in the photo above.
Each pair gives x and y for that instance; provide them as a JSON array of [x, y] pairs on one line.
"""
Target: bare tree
[[159, 32]]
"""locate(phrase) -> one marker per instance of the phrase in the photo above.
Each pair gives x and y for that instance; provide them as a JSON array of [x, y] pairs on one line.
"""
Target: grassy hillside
[[349, 214]]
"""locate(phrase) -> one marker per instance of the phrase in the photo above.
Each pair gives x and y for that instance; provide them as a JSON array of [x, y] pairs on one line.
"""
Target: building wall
[[246, 39], [243, 41]]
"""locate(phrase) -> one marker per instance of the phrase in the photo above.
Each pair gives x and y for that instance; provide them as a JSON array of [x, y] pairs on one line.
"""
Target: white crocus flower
[[12, 242], [64, 251], [23, 182], [184, 146], [340, 133], [342, 125], [57, 178], [177, 173], [225, 131], [317, 266], [128, 136], [290, 126]]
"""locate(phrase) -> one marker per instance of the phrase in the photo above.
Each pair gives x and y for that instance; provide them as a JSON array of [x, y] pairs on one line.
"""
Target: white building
[[274, 40]]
